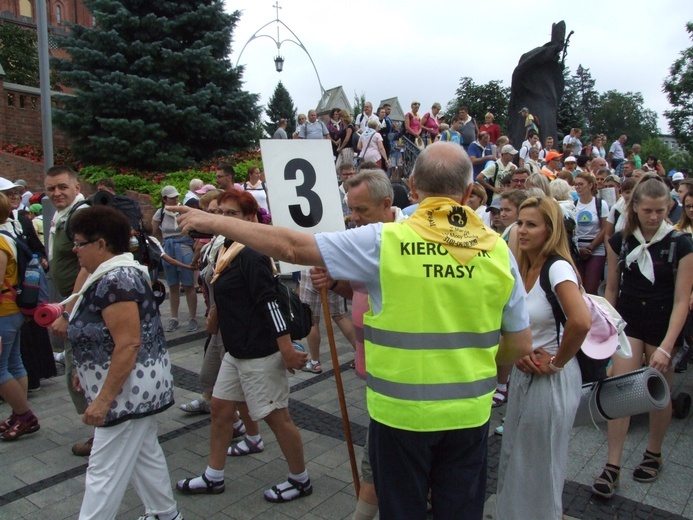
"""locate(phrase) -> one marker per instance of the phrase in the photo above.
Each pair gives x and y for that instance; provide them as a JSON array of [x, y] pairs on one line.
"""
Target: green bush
[[150, 183]]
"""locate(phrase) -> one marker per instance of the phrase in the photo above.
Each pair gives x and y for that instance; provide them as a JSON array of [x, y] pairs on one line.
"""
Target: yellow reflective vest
[[430, 352]]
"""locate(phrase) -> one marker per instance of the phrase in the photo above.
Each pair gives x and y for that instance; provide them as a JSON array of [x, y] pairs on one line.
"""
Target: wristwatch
[[66, 316], [553, 367]]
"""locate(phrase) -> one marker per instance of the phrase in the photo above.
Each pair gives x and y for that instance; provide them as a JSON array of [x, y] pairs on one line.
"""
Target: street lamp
[[279, 61]]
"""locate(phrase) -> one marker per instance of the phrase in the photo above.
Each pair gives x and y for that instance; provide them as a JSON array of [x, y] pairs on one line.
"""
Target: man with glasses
[[225, 177], [553, 161], [519, 176], [345, 172], [64, 191]]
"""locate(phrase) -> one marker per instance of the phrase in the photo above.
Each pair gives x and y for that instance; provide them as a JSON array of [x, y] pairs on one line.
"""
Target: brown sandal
[[20, 428], [605, 484], [8, 423], [648, 470]]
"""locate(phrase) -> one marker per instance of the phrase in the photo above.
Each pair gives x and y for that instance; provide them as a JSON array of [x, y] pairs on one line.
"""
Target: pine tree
[[570, 114], [280, 106], [154, 87], [588, 97]]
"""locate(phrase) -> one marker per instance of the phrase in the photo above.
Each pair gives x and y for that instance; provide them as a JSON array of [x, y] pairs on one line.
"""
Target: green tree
[[620, 113], [490, 97], [154, 87], [280, 106], [588, 98], [19, 55], [679, 90], [569, 113], [359, 102], [671, 159]]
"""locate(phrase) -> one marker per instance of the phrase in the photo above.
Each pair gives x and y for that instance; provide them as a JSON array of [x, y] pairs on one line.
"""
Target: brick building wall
[[20, 114]]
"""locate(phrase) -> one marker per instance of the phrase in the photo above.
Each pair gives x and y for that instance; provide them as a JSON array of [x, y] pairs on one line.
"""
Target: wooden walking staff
[[305, 198], [340, 389]]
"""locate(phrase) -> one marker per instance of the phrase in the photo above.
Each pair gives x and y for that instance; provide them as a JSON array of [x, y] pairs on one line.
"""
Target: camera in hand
[[196, 234]]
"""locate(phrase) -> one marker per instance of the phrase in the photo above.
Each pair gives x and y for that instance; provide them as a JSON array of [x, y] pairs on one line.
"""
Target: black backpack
[[298, 316], [27, 298], [147, 253], [490, 193], [591, 369], [355, 136]]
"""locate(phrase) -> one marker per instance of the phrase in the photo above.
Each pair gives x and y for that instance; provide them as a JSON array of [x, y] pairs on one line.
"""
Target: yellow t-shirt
[[7, 305]]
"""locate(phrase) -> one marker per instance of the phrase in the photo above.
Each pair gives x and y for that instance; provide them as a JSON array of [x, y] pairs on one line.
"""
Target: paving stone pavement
[[41, 479]]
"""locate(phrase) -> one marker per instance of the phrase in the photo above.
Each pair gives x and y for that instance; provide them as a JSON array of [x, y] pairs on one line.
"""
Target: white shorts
[[262, 383]]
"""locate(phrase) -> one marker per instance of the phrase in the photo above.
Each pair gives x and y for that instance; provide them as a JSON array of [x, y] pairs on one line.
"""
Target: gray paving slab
[[41, 479]]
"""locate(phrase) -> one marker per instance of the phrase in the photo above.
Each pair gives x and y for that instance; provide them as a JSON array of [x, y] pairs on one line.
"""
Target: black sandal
[[304, 489], [648, 470], [605, 484], [213, 487]]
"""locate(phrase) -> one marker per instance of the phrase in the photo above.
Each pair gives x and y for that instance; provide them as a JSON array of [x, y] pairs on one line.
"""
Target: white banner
[[302, 187]]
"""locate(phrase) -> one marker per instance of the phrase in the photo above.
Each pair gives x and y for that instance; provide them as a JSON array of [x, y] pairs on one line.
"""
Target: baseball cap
[[7, 185], [508, 148], [204, 189], [36, 209], [570, 158], [523, 109], [20, 182], [495, 204], [678, 176], [552, 155], [169, 191]]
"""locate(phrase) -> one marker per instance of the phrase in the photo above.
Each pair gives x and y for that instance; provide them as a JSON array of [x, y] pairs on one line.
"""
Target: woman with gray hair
[[537, 180]]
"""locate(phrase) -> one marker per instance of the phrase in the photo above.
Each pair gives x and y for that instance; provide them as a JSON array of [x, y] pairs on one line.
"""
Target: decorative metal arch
[[279, 42]]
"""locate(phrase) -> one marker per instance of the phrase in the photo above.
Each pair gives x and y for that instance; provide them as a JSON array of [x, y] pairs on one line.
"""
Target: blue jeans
[[406, 464], [11, 366]]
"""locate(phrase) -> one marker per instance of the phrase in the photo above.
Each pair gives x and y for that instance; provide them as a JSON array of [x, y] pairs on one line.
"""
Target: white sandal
[[199, 405]]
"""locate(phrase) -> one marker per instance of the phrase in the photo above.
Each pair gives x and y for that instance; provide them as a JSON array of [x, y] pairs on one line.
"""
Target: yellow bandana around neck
[[226, 255], [458, 228]]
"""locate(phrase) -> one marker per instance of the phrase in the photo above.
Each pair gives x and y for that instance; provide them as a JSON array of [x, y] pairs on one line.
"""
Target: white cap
[[678, 176], [6, 185]]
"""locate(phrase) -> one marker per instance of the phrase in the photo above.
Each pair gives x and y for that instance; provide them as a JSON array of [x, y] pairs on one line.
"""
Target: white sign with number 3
[[302, 186]]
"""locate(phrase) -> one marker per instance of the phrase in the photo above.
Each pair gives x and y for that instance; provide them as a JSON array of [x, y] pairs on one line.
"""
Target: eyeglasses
[[11, 194], [688, 208], [230, 212], [518, 181], [580, 184], [214, 211], [80, 245]]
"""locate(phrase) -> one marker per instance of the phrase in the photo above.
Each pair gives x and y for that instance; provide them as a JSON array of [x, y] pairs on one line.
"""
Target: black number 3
[[304, 190]]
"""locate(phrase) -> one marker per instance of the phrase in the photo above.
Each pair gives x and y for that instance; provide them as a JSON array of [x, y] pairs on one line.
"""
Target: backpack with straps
[[591, 369], [490, 193], [27, 293], [145, 252]]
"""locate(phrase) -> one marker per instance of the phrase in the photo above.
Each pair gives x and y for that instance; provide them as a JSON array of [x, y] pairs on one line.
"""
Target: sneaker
[[172, 325], [59, 357], [192, 325], [314, 368], [199, 405], [33, 389], [179, 516], [83, 449]]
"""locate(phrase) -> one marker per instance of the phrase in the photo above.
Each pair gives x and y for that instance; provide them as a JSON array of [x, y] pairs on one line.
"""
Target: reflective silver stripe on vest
[[431, 392], [431, 340]]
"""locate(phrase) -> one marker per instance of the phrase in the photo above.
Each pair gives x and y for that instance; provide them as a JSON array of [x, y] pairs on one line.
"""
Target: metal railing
[[409, 154]]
